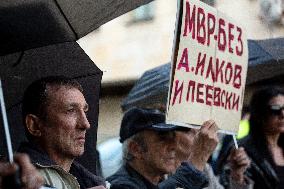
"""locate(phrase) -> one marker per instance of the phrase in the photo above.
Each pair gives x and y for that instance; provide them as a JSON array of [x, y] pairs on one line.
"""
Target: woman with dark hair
[[265, 142]]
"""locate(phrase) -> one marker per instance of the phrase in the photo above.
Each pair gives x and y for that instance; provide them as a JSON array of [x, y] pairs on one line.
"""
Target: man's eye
[[71, 110]]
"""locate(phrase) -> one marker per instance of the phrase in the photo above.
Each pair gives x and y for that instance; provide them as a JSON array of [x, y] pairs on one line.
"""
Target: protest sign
[[209, 67]]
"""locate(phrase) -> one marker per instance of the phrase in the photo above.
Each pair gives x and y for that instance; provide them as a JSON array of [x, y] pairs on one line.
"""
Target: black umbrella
[[34, 36], [18, 70], [27, 24], [266, 61], [151, 90]]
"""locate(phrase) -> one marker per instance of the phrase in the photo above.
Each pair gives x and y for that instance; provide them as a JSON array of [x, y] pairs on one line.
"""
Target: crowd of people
[[156, 155]]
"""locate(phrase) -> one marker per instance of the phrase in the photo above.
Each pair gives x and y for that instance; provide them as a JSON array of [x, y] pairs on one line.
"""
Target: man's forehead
[[65, 94], [160, 135], [52, 87]]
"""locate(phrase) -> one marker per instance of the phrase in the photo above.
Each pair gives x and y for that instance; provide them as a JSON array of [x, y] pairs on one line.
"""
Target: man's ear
[[33, 125], [135, 149]]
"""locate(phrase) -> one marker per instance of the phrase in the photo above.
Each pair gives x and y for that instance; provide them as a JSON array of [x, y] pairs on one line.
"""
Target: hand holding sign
[[204, 143], [238, 162]]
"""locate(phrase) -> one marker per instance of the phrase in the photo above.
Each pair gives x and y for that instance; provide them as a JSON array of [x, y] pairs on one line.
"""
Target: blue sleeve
[[187, 177], [122, 186]]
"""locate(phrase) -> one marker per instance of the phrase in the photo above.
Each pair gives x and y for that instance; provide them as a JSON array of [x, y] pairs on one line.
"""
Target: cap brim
[[164, 127]]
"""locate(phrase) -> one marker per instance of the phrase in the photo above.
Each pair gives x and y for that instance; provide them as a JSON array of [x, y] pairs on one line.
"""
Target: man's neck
[[147, 172], [59, 158], [64, 163]]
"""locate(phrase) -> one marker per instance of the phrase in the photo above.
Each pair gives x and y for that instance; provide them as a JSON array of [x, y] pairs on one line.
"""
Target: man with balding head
[[54, 114]]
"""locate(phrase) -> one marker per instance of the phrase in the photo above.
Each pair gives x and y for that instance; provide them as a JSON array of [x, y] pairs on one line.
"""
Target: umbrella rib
[[65, 17], [148, 86], [19, 59], [267, 52]]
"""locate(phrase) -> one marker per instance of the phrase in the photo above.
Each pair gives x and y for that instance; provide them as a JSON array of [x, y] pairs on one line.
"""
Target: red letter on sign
[[178, 91], [189, 23], [190, 89], [239, 49], [210, 26], [184, 61], [210, 69], [236, 102], [200, 64], [228, 73], [201, 26], [217, 96], [209, 95], [237, 76], [228, 100], [221, 32], [199, 94], [219, 70], [231, 37]]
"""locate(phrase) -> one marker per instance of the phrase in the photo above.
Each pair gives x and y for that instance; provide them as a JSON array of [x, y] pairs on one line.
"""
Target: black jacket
[[85, 178], [186, 177], [261, 170]]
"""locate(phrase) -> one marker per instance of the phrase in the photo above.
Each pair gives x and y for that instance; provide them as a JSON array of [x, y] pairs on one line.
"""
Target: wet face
[[160, 154], [184, 142], [275, 120], [64, 127]]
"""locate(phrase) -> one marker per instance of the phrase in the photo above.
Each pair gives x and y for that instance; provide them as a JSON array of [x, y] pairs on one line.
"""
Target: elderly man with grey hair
[[150, 153]]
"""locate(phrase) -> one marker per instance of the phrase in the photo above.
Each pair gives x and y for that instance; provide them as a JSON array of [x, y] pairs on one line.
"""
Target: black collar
[[36, 154], [133, 173]]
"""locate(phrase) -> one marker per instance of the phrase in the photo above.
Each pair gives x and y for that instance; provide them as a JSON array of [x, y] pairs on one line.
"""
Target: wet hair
[[259, 114], [36, 96]]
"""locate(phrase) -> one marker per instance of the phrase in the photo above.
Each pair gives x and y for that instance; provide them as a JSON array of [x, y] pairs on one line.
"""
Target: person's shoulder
[[124, 186], [84, 176], [119, 182], [122, 180]]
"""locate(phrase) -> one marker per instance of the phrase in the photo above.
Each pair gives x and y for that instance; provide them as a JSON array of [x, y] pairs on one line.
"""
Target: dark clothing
[[261, 172], [186, 177], [280, 173], [85, 178]]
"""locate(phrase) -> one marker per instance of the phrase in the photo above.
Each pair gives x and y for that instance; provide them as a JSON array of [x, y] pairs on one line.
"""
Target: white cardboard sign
[[209, 67]]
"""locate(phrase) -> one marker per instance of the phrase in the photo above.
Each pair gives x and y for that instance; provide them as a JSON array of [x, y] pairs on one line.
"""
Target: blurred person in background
[[238, 162], [271, 11], [265, 142]]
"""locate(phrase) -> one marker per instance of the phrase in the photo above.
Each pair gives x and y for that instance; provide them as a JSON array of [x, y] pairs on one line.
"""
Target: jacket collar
[[36, 154]]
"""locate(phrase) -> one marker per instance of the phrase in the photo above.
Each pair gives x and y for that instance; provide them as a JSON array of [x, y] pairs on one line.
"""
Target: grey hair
[[137, 138]]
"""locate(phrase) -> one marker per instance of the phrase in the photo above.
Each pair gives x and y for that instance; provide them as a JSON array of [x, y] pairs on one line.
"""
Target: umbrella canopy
[[150, 90], [266, 61], [34, 23], [20, 69]]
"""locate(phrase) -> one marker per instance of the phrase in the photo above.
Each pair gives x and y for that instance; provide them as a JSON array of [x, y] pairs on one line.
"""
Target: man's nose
[[171, 145], [83, 122]]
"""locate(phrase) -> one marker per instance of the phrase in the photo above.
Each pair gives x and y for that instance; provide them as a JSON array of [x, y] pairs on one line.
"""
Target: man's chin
[[78, 152], [170, 169]]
